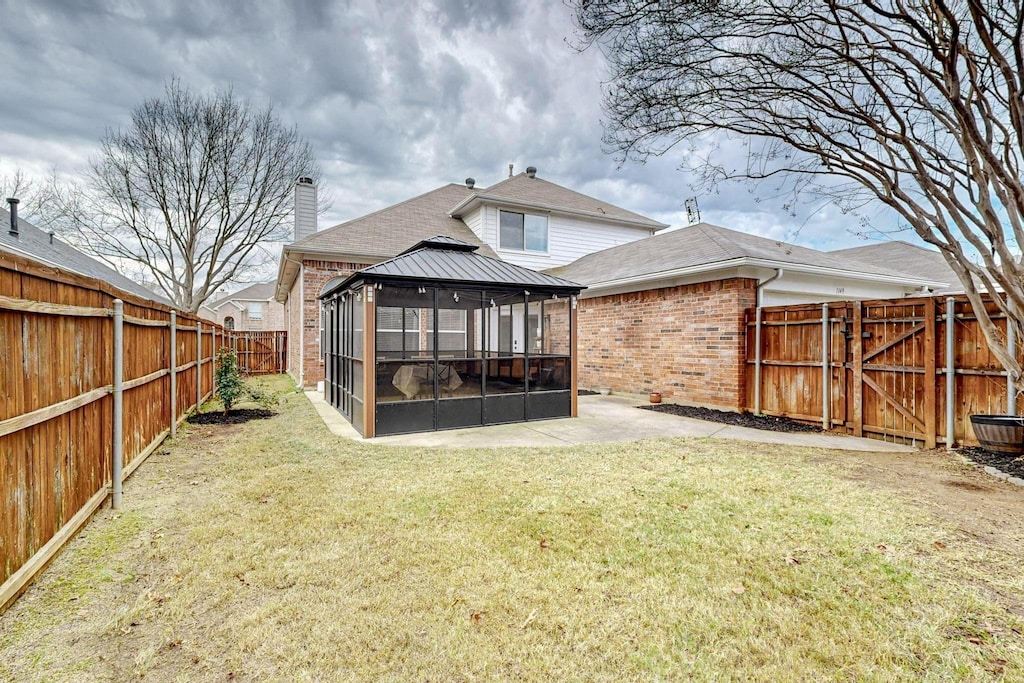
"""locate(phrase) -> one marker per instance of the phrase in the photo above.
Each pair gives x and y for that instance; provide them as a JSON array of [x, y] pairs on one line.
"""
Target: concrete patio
[[602, 419]]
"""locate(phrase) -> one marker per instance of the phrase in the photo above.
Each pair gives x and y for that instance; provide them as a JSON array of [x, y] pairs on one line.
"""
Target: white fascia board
[[471, 202], [652, 280]]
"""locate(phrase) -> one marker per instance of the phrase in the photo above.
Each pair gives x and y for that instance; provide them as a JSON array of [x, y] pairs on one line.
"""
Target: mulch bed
[[766, 422], [586, 392], [1005, 463], [232, 418]]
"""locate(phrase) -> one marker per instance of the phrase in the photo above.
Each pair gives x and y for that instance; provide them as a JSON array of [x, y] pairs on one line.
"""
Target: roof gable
[[534, 191]]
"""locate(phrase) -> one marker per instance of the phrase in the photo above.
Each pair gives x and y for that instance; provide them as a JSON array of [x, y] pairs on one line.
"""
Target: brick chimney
[[305, 207]]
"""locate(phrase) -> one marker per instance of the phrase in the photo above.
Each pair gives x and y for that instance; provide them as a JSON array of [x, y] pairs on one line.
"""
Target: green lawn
[[275, 551]]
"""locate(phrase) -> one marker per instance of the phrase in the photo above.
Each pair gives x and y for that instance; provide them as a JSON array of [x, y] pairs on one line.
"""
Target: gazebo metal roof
[[445, 260]]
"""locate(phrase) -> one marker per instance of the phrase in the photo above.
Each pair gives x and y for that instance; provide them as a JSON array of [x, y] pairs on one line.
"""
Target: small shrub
[[228, 378]]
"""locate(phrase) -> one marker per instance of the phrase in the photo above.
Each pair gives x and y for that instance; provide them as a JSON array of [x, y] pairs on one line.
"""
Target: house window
[[523, 231], [229, 323], [255, 310], [398, 331]]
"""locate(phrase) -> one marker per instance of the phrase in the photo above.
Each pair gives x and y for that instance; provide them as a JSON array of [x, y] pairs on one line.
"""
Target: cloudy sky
[[396, 96]]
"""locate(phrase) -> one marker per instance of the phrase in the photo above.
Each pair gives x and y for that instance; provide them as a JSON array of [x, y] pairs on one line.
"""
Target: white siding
[[569, 238], [475, 222]]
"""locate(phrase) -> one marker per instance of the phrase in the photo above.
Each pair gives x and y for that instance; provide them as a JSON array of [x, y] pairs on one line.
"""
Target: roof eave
[[762, 263]]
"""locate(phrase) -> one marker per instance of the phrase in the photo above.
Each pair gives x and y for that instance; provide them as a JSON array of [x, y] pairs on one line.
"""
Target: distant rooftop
[[36, 244]]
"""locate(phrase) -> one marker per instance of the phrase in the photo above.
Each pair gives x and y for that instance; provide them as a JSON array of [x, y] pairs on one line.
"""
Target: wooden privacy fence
[[904, 370], [91, 382]]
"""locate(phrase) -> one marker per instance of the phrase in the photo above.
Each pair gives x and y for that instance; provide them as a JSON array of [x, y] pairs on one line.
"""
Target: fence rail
[[61, 384], [904, 370]]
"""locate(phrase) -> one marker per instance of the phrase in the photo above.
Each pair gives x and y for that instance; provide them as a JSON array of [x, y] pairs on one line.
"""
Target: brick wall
[[687, 342], [315, 274]]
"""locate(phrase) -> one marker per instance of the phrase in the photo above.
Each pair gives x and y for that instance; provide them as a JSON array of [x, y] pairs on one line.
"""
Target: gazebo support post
[[369, 362], [573, 355]]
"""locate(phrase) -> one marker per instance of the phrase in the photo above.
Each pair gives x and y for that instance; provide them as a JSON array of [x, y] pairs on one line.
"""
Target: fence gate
[[887, 367], [261, 353], [891, 371]]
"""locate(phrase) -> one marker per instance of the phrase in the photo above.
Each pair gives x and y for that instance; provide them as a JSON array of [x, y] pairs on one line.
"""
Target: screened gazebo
[[441, 337]]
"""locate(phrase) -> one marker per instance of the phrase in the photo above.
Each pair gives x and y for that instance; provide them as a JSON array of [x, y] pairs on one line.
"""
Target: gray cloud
[[396, 97]]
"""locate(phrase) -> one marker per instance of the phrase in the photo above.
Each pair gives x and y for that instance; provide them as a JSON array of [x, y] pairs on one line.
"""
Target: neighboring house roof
[[261, 291], [37, 244], [912, 259], [704, 247], [531, 191], [444, 260]]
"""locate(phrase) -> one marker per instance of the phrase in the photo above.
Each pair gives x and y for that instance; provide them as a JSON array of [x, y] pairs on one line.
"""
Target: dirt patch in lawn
[[765, 422], [1014, 466], [979, 506], [233, 417]]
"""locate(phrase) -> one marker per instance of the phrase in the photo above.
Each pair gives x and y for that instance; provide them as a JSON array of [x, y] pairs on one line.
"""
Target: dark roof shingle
[[393, 229], [699, 245], [911, 259]]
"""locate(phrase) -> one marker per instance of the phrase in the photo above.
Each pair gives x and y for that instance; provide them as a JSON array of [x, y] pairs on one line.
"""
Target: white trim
[[700, 273]]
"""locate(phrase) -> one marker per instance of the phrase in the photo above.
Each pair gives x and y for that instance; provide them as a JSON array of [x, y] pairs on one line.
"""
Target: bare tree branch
[[917, 105]]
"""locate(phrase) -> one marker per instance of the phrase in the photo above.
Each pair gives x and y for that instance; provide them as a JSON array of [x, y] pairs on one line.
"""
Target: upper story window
[[255, 310], [522, 231]]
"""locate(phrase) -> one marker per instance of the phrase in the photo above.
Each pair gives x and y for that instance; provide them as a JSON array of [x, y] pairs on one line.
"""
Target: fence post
[[174, 374], [213, 363], [757, 359], [950, 373], [826, 371], [118, 432], [199, 365]]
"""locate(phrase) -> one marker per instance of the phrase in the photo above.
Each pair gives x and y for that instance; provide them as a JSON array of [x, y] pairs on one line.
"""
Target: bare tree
[[917, 104], [188, 195], [18, 185]]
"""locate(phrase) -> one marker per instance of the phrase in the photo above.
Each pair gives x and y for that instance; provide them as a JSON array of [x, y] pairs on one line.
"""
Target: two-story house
[[523, 219], [251, 308]]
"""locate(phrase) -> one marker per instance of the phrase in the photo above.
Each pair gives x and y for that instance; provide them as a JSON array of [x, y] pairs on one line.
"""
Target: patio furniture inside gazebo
[[441, 337]]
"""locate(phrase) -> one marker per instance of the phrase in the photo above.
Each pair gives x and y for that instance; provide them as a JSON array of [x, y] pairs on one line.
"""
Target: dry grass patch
[[284, 553]]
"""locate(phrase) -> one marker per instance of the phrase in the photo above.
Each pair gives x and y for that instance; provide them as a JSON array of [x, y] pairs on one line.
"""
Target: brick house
[[668, 313], [524, 219], [252, 308]]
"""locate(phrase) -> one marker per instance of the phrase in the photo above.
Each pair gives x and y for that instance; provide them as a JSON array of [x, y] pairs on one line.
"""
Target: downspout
[[757, 338]]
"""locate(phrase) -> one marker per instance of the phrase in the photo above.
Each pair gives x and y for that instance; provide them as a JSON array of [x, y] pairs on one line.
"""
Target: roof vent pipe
[[13, 202], [470, 182], [510, 170], [531, 171]]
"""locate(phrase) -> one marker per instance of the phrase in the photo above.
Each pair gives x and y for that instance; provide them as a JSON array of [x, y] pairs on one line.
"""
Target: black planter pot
[[1002, 434]]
